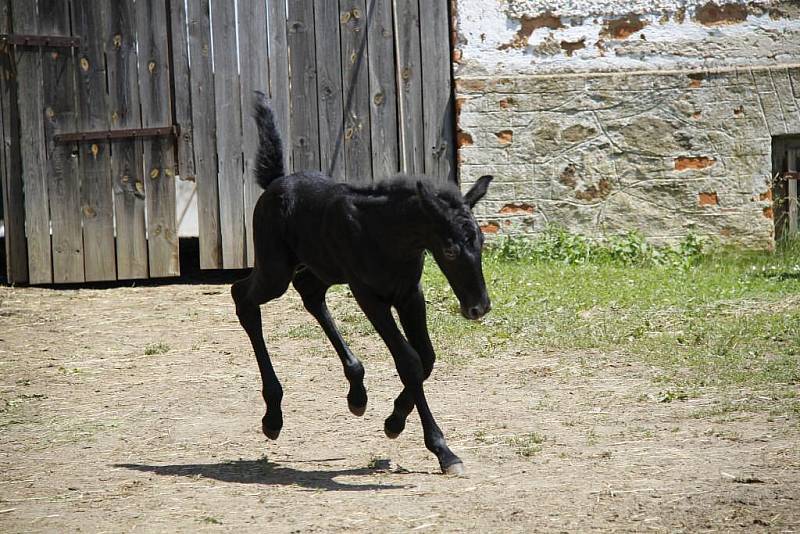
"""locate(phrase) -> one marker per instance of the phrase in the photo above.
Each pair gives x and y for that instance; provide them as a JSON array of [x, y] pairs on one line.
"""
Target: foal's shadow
[[263, 471]]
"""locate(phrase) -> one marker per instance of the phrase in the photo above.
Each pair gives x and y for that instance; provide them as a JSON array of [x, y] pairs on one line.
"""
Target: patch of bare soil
[[97, 435]]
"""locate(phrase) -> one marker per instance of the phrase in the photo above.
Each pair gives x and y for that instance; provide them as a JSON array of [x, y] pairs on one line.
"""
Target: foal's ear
[[477, 191], [428, 199]]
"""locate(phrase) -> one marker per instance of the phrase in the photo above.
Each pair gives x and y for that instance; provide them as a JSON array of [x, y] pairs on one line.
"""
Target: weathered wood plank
[[204, 134], [382, 88], [254, 57], [89, 21], [437, 92], [409, 68], [11, 172], [126, 161], [181, 105], [159, 155], [32, 149], [279, 75], [181, 109], [229, 134], [329, 89], [793, 165], [355, 82], [63, 184], [304, 127]]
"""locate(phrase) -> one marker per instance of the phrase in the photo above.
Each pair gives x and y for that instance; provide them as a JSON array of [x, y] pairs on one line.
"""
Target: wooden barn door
[[97, 144], [361, 89], [111, 99]]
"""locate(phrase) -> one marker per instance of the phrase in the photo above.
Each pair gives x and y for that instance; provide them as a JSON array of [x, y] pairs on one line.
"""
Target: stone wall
[[602, 146]]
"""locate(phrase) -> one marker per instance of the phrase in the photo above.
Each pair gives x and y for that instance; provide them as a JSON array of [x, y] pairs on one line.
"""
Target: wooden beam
[[159, 152], [126, 166], [204, 126], [63, 180], [11, 169], [355, 83], [229, 134], [32, 148], [254, 57]]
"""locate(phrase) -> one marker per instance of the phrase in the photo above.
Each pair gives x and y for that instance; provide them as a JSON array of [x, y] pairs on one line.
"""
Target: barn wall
[[611, 115]]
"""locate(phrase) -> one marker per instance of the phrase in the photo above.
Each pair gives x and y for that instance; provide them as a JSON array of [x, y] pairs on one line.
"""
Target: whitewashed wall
[[607, 116]]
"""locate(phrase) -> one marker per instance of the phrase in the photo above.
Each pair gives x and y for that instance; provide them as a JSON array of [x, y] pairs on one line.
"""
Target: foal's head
[[456, 243]]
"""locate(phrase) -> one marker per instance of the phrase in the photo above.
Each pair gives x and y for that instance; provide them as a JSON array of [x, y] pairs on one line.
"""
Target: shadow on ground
[[263, 471]]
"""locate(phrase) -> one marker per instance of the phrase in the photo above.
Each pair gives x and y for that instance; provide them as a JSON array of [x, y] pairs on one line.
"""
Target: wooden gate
[[96, 140], [786, 172], [104, 102]]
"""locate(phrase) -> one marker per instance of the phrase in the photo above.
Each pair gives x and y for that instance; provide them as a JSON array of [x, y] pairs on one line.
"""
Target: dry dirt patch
[[97, 435]]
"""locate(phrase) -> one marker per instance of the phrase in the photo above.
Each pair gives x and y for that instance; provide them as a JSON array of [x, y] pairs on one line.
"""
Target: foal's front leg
[[412, 315], [409, 367]]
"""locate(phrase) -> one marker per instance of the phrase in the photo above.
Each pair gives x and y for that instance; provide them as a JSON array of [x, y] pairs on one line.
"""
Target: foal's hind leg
[[313, 290], [261, 286]]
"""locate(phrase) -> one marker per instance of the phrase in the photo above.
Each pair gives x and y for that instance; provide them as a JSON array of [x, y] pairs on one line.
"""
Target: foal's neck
[[398, 224]]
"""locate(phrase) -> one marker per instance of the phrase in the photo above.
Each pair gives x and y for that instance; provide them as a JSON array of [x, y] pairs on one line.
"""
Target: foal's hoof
[[271, 433], [455, 470], [357, 401], [394, 426], [271, 429], [358, 411]]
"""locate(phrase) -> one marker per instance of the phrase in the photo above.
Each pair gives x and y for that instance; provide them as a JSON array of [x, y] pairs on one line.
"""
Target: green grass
[[156, 348], [527, 445], [716, 318]]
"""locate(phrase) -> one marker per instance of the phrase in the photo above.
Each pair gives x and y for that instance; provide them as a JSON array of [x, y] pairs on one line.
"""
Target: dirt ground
[[96, 435]]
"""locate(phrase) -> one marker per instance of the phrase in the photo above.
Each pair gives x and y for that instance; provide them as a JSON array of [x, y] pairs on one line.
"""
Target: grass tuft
[[156, 348], [527, 445]]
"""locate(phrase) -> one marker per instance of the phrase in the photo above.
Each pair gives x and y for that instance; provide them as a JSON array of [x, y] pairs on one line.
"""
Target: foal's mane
[[401, 187]]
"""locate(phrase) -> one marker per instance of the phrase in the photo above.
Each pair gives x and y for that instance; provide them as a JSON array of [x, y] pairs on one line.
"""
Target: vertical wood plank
[[304, 126], [159, 156], [204, 134], [279, 75], [181, 102], [355, 83], [383, 88], [329, 89], [32, 149], [792, 207], [793, 164], [254, 57], [95, 163], [126, 162], [11, 172], [409, 83], [437, 92], [181, 109], [63, 184], [229, 134]]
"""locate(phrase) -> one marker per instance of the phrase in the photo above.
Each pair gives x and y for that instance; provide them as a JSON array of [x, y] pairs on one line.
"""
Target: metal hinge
[[57, 41], [117, 134]]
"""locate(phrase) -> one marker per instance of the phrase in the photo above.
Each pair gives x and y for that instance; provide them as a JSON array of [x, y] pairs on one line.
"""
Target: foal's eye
[[451, 252]]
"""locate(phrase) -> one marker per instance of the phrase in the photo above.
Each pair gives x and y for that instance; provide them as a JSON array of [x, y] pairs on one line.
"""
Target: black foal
[[314, 232]]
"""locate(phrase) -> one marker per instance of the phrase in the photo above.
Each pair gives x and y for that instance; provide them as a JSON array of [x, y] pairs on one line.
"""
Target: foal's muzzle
[[476, 312]]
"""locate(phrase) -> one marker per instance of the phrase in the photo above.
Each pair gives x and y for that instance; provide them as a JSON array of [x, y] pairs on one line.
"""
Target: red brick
[[708, 199]]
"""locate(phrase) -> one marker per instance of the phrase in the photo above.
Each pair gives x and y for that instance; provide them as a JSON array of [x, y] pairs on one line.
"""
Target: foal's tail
[[269, 157]]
